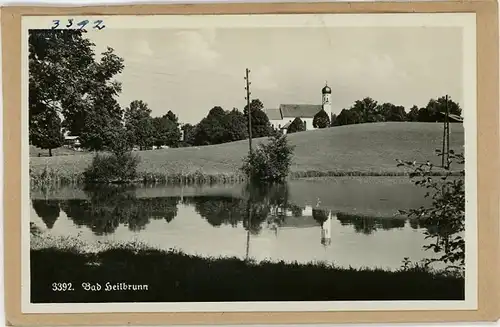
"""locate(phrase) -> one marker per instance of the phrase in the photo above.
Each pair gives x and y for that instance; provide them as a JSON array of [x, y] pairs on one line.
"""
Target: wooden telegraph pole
[[247, 88], [249, 112], [447, 133], [446, 137]]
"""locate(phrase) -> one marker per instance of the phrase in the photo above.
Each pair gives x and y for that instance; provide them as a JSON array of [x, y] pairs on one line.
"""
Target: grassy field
[[177, 277], [364, 149]]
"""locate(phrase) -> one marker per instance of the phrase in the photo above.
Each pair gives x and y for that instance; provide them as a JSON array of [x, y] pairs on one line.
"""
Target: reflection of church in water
[[309, 218]]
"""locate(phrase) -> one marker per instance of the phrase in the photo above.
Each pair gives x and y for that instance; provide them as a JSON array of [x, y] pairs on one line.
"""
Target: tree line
[[369, 110], [72, 90]]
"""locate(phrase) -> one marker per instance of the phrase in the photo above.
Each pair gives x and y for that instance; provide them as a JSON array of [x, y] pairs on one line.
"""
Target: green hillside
[[363, 149]]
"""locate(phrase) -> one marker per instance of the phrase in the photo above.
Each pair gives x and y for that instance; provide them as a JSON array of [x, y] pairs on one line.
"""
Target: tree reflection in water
[[47, 210], [109, 206], [257, 207], [368, 225]]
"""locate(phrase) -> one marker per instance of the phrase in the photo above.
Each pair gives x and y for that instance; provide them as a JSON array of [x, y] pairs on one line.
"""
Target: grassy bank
[[353, 150], [177, 277]]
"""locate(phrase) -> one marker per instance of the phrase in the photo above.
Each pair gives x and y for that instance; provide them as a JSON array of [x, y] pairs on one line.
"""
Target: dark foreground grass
[[176, 277]]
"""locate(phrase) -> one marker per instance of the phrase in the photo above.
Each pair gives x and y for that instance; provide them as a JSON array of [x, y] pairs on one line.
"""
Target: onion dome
[[326, 90]]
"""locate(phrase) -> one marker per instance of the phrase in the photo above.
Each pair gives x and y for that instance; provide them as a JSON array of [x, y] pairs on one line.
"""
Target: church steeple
[[326, 99], [326, 89]]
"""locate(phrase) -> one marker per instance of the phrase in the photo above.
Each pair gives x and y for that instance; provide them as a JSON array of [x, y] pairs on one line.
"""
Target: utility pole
[[447, 133], [249, 202], [247, 88], [446, 137]]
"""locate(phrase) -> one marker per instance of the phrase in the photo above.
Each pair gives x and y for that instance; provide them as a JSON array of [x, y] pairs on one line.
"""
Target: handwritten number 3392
[[97, 24]]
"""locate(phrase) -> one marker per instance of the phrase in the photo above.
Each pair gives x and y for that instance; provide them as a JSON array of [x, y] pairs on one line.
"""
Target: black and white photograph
[[307, 162]]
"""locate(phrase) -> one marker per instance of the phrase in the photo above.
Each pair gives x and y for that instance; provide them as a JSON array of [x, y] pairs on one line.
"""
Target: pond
[[346, 221]]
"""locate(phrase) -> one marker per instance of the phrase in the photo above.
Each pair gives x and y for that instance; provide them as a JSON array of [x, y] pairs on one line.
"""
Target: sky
[[189, 71]]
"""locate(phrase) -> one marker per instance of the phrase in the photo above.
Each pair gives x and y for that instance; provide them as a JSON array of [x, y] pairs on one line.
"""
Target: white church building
[[282, 117]]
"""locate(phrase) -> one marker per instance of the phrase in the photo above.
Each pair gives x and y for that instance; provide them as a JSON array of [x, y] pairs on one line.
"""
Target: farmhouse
[[283, 116]]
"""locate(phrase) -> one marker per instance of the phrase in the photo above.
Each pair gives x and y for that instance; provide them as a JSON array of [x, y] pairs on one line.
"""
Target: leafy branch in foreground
[[444, 219]]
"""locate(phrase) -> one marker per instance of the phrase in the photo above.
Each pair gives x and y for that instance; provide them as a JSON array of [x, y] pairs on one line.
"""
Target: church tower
[[327, 100]]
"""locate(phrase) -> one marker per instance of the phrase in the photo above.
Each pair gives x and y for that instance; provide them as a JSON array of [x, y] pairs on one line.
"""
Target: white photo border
[[466, 21]]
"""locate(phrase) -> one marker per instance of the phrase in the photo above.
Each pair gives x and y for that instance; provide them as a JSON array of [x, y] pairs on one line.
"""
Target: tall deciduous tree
[[437, 107], [188, 130], [413, 114], [210, 130], [391, 112], [367, 110], [260, 122], [348, 117], [166, 131], [46, 130], [172, 117], [139, 124], [235, 126], [65, 76]]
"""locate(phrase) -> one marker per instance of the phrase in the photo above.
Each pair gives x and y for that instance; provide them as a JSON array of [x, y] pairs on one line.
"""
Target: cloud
[[263, 78], [197, 46], [142, 47], [367, 69]]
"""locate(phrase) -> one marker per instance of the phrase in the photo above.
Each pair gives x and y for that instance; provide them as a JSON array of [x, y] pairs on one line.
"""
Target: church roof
[[273, 114], [300, 110]]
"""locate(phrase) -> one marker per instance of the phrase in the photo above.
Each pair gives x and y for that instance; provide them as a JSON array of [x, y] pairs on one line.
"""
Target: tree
[[188, 130], [270, 162], [47, 130], [367, 110], [444, 217], [65, 77], [297, 125], [101, 128], [391, 112], [235, 126], [139, 124], [435, 108], [333, 121], [413, 114], [321, 119], [260, 122], [211, 129], [348, 117], [172, 117], [166, 131]]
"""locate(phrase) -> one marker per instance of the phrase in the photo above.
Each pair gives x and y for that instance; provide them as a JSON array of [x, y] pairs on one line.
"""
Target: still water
[[345, 221]]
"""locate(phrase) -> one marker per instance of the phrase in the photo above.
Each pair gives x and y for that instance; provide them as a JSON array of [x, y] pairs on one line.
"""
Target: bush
[[271, 161], [321, 119], [444, 219], [120, 167]]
